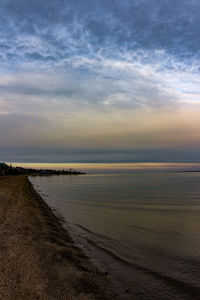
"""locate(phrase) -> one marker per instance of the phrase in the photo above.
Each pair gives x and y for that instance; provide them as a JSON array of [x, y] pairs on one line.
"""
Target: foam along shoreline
[[38, 257]]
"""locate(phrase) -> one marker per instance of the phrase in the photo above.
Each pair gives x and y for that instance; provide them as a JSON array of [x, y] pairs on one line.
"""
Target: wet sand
[[38, 259]]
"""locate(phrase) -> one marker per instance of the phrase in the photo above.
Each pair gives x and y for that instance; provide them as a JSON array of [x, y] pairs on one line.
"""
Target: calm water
[[143, 228]]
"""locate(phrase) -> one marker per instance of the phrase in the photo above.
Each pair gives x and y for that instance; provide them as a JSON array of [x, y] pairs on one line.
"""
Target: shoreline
[[39, 260]]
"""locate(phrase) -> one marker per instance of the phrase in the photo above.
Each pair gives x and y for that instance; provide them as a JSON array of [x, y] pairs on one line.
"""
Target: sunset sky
[[100, 80]]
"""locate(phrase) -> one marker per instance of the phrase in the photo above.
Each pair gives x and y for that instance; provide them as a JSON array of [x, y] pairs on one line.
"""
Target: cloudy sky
[[100, 80]]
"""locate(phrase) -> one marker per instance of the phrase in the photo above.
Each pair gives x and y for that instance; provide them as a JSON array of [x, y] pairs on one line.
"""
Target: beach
[[38, 259]]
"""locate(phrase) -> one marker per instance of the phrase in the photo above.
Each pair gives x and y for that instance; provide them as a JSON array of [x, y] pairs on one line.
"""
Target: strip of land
[[38, 259]]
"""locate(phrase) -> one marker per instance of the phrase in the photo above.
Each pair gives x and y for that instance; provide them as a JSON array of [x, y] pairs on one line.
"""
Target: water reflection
[[144, 227]]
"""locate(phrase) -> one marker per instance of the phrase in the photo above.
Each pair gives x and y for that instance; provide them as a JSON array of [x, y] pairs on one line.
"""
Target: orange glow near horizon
[[112, 166]]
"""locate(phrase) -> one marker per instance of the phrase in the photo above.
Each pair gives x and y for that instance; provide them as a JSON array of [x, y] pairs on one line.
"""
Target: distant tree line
[[8, 169]]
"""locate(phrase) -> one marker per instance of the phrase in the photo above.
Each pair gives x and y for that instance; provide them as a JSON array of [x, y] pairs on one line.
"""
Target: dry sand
[[38, 259]]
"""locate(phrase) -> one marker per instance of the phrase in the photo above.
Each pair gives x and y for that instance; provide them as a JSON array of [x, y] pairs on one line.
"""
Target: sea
[[138, 223]]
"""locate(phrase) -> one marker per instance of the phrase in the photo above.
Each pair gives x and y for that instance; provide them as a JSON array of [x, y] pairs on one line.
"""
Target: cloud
[[61, 29], [106, 74]]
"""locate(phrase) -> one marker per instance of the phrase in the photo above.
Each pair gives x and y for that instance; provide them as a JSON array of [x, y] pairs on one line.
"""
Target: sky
[[100, 81]]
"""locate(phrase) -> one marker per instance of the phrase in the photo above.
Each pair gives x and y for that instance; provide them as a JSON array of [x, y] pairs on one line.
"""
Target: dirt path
[[38, 260]]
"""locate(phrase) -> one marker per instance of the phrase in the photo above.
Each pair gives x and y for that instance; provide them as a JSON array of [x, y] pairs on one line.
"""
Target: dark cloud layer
[[56, 155]]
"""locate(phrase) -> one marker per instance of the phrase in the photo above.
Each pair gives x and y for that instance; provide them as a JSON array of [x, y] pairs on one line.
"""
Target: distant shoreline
[[9, 169], [187, 171], [39, 259]]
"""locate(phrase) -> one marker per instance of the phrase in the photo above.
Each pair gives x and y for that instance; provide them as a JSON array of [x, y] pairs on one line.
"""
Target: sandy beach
[[38, 259]]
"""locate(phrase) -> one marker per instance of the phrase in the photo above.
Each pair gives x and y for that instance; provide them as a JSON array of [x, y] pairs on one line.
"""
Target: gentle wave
[[92, 232], [168, 280]]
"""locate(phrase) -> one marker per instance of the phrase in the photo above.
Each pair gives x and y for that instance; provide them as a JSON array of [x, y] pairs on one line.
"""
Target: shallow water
[[143, 228]]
